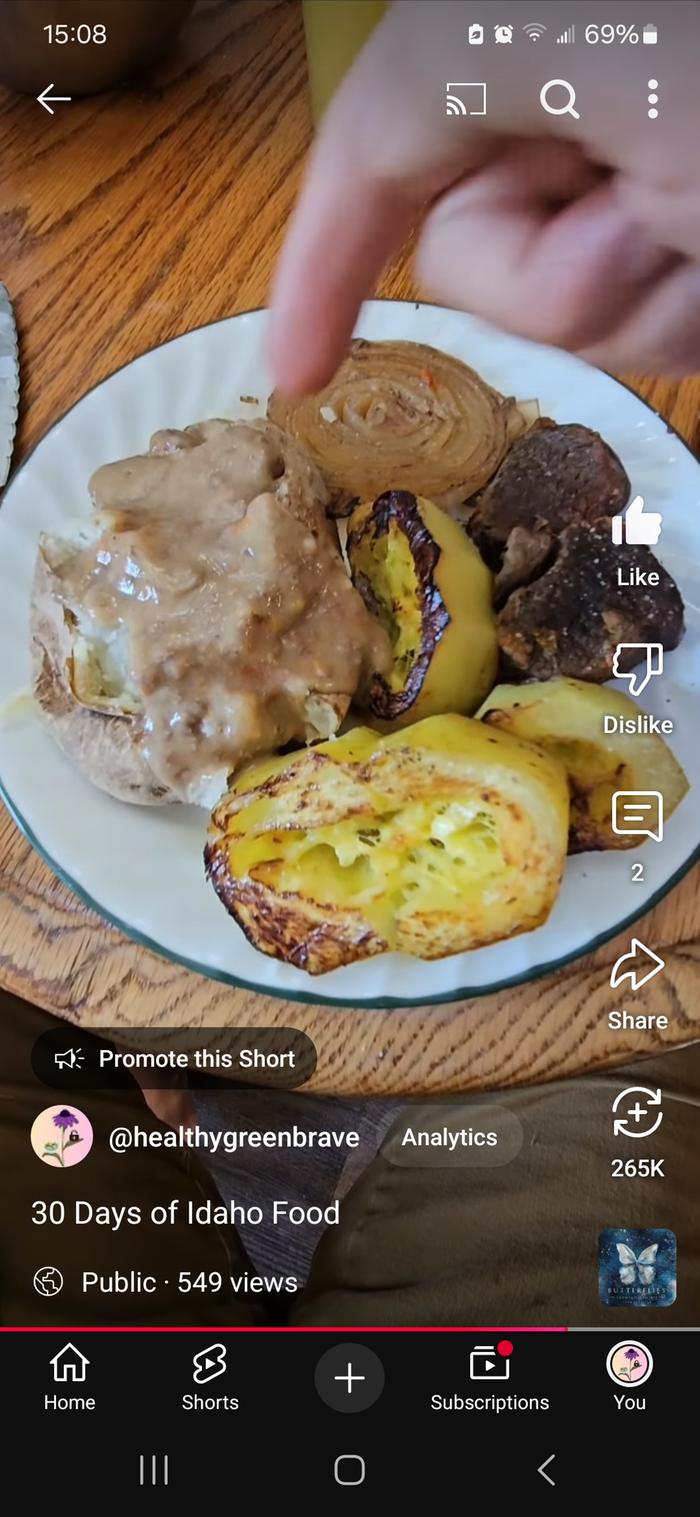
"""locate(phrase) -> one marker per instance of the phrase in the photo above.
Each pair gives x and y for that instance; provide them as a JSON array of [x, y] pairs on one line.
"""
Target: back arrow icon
[[45, 97], [542, 1467]]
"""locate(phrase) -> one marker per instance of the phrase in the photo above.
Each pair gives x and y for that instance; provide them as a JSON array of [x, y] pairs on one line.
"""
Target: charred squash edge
[[402, 506]]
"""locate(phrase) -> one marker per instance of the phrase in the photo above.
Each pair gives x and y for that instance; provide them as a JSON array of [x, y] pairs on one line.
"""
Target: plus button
[[348, 1378]]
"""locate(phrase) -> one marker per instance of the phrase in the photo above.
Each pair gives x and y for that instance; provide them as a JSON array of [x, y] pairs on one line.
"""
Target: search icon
[[559, 110]]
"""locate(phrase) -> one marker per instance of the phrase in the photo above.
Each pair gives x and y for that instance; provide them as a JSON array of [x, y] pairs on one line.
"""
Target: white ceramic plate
[[142, 868]]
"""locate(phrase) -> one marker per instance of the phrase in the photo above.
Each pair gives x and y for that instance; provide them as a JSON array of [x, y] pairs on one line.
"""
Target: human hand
[[584, 234]]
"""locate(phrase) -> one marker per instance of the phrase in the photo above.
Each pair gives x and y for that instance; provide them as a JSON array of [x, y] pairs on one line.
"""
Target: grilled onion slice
[[400, 415]]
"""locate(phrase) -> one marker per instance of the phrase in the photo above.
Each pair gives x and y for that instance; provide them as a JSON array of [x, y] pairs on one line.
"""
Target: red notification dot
[[504, 1348]]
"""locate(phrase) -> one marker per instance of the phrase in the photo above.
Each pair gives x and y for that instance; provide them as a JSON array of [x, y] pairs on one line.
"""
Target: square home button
[[349, 1469]]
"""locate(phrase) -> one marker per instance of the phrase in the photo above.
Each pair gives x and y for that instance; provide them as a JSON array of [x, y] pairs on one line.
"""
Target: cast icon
[[473, 104]]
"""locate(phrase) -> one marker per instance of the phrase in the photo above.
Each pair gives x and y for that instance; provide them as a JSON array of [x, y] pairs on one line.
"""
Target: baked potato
[[82, 687], [417, 570], [433, 840], [203, 614], [566, 719]]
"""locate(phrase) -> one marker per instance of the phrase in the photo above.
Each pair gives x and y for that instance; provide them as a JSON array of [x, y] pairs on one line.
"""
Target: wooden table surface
[[126, 219]]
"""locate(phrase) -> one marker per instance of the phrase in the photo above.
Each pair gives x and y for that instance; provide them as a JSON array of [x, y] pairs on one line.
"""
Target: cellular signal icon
[[568, 35]]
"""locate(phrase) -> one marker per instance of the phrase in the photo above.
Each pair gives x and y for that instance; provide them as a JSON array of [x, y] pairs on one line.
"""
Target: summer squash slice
[[565, 718], [431, 841], [420, 574]]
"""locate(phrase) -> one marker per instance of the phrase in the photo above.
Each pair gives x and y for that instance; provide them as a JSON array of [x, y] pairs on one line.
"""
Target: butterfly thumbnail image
[[637, 1266]]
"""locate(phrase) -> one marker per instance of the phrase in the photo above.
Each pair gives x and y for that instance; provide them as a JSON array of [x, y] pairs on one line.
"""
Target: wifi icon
[[534, 30]]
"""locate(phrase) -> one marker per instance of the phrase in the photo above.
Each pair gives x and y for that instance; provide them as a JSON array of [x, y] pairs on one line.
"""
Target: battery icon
[[650, 34]]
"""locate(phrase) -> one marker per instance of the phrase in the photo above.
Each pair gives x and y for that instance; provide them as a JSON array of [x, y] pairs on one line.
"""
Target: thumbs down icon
[[651, 655]]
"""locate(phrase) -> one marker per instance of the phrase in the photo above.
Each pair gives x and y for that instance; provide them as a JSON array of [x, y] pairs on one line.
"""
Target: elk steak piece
[[552, 477], [571, 619], [525, 556]]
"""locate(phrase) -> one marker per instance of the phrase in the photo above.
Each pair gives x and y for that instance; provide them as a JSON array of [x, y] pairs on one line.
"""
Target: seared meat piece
[[553, 476], [572, 618], [526, 554]]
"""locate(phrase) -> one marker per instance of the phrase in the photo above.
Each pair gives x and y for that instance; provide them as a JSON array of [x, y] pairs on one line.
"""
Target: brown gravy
[[216, 557]]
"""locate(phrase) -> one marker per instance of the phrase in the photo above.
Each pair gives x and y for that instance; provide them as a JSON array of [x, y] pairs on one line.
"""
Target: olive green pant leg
[[519, 1244], [147, 1178]]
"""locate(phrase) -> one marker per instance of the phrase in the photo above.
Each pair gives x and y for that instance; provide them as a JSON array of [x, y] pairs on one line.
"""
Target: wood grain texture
[[126, 219]]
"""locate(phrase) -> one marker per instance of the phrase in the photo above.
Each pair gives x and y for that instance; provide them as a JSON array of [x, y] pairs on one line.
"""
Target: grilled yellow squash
[[566, 718], [417, 570], [432, 841]]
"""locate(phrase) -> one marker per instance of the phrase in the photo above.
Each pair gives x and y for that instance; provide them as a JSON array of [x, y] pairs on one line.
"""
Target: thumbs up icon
[[640, 527]]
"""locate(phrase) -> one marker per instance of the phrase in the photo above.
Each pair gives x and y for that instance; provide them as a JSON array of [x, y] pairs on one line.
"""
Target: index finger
[[380, 158]]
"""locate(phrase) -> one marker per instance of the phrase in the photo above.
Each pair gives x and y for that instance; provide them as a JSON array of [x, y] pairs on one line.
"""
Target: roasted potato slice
[[566, 718], [417, 570], [431, 841]]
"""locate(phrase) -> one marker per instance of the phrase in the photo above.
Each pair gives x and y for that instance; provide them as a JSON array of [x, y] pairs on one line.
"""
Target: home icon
[[69, 1363]]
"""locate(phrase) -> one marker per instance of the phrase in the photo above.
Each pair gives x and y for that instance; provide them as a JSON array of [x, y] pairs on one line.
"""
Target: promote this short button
[[349, 1377]]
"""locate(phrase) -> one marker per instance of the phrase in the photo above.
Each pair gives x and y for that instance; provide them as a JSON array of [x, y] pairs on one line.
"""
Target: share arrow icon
[[637, 966]]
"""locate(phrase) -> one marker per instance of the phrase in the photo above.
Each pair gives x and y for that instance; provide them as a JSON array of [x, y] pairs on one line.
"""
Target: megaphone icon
[[71, 1059]]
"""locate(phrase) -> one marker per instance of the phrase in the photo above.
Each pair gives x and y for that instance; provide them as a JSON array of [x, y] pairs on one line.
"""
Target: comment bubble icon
[[638, 813]]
